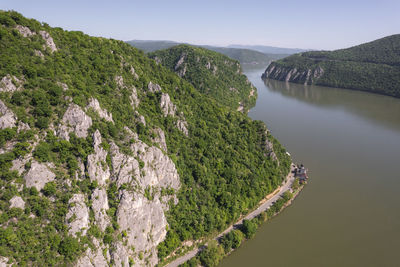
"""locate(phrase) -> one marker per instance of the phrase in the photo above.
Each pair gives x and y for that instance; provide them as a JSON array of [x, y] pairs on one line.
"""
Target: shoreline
[[263, 206]]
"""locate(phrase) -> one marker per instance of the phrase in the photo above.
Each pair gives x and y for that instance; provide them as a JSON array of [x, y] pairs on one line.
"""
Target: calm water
[[349, 213]]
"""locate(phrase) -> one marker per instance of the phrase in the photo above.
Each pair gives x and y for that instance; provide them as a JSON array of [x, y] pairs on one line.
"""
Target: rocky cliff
[[372, 67], [108, 158]]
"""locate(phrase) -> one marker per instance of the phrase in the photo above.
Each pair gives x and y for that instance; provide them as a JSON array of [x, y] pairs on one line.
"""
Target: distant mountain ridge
[[244, 55], [270, 49], [372, 67]]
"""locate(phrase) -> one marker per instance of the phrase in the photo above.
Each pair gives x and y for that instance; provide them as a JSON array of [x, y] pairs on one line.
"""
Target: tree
[[249, 228]]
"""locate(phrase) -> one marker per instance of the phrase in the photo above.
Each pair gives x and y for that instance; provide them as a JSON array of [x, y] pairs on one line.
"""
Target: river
[[349, 213]]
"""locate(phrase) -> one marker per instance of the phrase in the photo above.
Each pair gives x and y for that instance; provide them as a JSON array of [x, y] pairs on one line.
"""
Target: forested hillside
[[108, 158], [373, 67], [244, 56], [211, 73]]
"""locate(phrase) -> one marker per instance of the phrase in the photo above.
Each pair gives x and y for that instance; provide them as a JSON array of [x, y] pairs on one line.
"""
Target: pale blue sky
[[316, 24]]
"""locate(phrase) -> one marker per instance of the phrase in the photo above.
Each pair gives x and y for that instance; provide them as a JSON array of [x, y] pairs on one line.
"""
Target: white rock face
[[7, 84], [134, 98], [23, 127], [95, 105], [153, 87], [38, 175], [142, 219], [77, 217], [49, 41], [145, 224], [74, 120], [167, 107], [93, 258], [180, 61], [7, 117], [24, 31], [3, 262], [100, 207], [98, 169], [182, 126], [17, 202], [159, 138], [132, 71]]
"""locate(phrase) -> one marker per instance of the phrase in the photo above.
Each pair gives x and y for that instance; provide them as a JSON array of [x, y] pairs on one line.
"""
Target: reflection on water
[[381, 109], [348, 215]]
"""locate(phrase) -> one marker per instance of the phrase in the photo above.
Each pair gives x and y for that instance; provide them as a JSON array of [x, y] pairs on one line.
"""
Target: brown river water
[[349, 213]]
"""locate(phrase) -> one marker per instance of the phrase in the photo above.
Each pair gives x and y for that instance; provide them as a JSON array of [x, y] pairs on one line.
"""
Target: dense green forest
[[243, 55], [222, 162], [212, 73], [373, 67]]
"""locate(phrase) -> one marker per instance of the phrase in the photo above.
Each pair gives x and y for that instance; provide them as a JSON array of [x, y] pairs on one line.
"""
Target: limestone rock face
[[100, 207], [93, 258], [132, 71], [145, 224], [24, 31], [3, 262], [167, 107], [63, 86], [95, 105], [39, 54], [141, 218], [7, 117], [38, 175], [159, 138], [269, 147], [153, 87], [17, 202], [74, 120], [77, 217], [134, 98], [49, 41], [288, 74], [7, 84], [98, 169], [182, 126]]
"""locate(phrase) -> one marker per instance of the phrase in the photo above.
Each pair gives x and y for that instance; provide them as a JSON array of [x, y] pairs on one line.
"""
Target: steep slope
[[109, 158], [244, 56], [212, 73], [373, 67]]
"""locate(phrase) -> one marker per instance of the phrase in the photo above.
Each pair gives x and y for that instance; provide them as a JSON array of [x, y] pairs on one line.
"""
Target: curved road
[[284, 187]]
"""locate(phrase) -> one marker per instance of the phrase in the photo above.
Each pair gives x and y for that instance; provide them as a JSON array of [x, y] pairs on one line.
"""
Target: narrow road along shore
[[263, 207]]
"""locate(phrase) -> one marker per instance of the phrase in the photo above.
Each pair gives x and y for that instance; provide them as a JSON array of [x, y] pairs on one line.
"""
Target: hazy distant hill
[[244, 56], [373, 67], [269, 49]]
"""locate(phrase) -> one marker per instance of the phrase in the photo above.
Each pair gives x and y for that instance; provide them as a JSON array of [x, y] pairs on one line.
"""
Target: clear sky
[[310, 24]]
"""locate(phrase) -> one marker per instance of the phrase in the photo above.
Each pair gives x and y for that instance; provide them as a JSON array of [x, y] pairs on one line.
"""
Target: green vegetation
[[222, 164], [211, 73], [243, 55], [214, 252], [372, 67]]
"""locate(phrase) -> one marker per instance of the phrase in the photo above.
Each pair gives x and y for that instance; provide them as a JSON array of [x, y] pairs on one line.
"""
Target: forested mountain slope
[[109, 158], [244, 56], [211, 73], [373, 67]]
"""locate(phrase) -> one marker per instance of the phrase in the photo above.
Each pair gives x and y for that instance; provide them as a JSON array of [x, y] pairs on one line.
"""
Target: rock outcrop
[[95, 105], [153, 87], [166, 105], [10, 83], [17, 202], [93, 257], [74, 120], [24, 31], [7, 117], [49, 41], [97, 167], [100, 207], [38, 175], [183, 127], [159, 138], [289, 74], [77, 217]]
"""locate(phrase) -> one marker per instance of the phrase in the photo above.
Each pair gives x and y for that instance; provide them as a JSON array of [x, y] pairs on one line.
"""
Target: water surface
[[349, 213]]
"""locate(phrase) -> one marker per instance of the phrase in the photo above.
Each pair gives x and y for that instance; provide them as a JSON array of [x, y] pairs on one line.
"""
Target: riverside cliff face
[[373, 67], [291, 74]]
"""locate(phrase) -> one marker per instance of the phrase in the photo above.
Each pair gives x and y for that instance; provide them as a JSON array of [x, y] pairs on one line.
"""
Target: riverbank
[[272, 202]]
